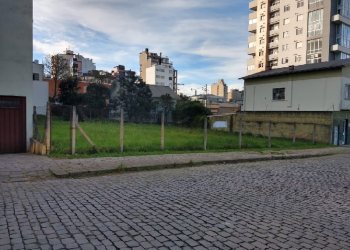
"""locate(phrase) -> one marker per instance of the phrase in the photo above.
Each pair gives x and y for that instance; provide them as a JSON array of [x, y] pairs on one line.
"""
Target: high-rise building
[[77, 64], [157, 70], [219, 89], [297, 32]]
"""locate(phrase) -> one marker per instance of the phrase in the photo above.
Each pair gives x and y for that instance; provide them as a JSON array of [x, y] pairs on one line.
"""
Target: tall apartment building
[[157, 70], [296, 32], [219, 89], [78, 64]]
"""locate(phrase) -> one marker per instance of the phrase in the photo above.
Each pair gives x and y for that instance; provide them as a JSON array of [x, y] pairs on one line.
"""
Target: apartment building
[[78, 64], [157, 70], [297, 32], [219, 89]]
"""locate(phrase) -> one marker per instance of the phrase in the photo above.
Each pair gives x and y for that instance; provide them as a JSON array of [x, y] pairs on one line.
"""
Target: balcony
[[252, 28], [251, 38], [273, 57], [275, 7], [274, 32], [273, 45], [338, 19], [274, 20], [251, 50], [253, 5], [253, 15]]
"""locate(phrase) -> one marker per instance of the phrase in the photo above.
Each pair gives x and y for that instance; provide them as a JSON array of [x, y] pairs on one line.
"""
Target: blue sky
[[205, 39]]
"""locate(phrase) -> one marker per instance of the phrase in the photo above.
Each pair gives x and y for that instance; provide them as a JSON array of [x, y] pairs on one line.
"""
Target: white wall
[[313, 91], [163, 73], [16, 48]]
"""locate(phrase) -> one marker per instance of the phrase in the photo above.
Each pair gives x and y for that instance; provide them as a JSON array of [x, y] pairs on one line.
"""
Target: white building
[[311, 87], [160, 74], [16, 86], [78, 64], [40, 88], [157, 70]]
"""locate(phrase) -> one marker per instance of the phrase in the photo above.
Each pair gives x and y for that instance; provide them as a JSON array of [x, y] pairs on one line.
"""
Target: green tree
[[190, 113], [96, 96], [134, 96], [69, 92]]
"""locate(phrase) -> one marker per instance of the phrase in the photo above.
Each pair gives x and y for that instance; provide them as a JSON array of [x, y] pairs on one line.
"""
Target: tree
[[190, 113], [69, 91], [57, 68], [96, 96], [166, 103], [134, 96]]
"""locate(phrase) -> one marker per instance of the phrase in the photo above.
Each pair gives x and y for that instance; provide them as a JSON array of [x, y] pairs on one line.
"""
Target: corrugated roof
[[158, 91], [300, 69]]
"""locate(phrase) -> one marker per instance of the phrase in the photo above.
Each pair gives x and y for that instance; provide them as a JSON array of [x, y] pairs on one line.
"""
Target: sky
[[205, 39]]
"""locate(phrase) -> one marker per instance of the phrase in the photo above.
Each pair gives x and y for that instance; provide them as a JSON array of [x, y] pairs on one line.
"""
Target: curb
[[61, 173]]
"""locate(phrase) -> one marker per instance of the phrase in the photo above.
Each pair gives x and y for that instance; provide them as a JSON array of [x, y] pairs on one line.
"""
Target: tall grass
[[145, 139]]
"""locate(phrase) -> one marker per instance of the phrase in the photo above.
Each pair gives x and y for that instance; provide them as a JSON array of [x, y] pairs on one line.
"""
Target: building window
[[285, 60], [300, 17], [300, 3], [298, 45], [261, 65], [251, 67], [286, 8], [284, 47], [36, 77], [315, 3], [343, 35], [262, 30], [343, 8], [315, 25], [261, 53], [299, 31], [314, 51], [347, 91], [285, 34], [278, 94], [297, 58], [273, 63], [286, 21]]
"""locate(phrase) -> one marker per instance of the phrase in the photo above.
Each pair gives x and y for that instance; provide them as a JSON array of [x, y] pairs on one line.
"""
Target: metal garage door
[[12, 124]]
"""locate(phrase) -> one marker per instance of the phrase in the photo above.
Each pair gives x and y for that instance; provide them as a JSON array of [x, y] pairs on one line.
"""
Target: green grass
[[141, 139]]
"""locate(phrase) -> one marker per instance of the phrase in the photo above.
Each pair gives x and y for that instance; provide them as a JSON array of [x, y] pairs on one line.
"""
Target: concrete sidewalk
[[67, 168], [28, 167]]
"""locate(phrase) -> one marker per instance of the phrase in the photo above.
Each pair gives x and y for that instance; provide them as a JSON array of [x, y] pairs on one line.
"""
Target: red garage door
[[12, 124]]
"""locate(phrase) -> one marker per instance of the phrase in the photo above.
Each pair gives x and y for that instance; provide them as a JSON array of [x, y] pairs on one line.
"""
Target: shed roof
[[158, 91], [331, 65]]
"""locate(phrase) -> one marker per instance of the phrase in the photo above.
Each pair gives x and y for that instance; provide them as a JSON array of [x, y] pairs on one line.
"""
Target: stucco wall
[[312, 91], [16, 53]]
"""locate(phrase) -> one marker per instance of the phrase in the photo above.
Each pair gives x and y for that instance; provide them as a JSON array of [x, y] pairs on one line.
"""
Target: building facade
[[40, 88], [157, 70], [219, 89], [78, 65], [16, 69], [235, 96], [119, 72], [297, 32]]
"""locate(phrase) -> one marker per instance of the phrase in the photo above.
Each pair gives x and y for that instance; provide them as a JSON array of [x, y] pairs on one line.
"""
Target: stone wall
[[305, 125]]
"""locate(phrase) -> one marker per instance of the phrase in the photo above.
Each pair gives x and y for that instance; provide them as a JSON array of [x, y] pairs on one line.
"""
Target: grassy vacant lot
[[145, 139]]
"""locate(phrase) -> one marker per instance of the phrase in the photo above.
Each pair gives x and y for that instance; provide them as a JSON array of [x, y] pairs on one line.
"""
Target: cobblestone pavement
[[296, 204]]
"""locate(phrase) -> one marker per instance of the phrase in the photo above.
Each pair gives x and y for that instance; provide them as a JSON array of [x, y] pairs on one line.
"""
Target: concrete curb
[[71, 172]]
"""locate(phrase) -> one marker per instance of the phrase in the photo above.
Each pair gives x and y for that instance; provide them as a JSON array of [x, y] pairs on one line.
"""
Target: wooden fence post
[[240, 133], [205, 133], [73, 130], [314, 134], [162, 131], [270, 144], [35, 124], [48, 129], [121, 131], [294, 132]]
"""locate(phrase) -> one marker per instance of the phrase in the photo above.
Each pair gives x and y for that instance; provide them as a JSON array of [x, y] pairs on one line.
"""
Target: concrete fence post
[[48, 128], [205, 133], [162, 131], [121, 131], [240, 133], [294, 132], [73, 138], [269, 135]]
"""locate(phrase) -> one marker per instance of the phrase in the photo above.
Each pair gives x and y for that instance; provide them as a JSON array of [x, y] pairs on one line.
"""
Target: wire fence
[[64, 130]]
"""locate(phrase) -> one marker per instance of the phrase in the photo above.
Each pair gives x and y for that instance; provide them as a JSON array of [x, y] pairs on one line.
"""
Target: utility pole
[[205, 88]]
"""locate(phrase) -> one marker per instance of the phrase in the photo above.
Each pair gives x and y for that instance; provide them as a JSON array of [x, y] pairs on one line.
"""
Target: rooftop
[[300, 69]]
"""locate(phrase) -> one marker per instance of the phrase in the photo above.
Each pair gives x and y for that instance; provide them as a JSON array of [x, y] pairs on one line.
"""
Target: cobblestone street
[[296, 204]]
